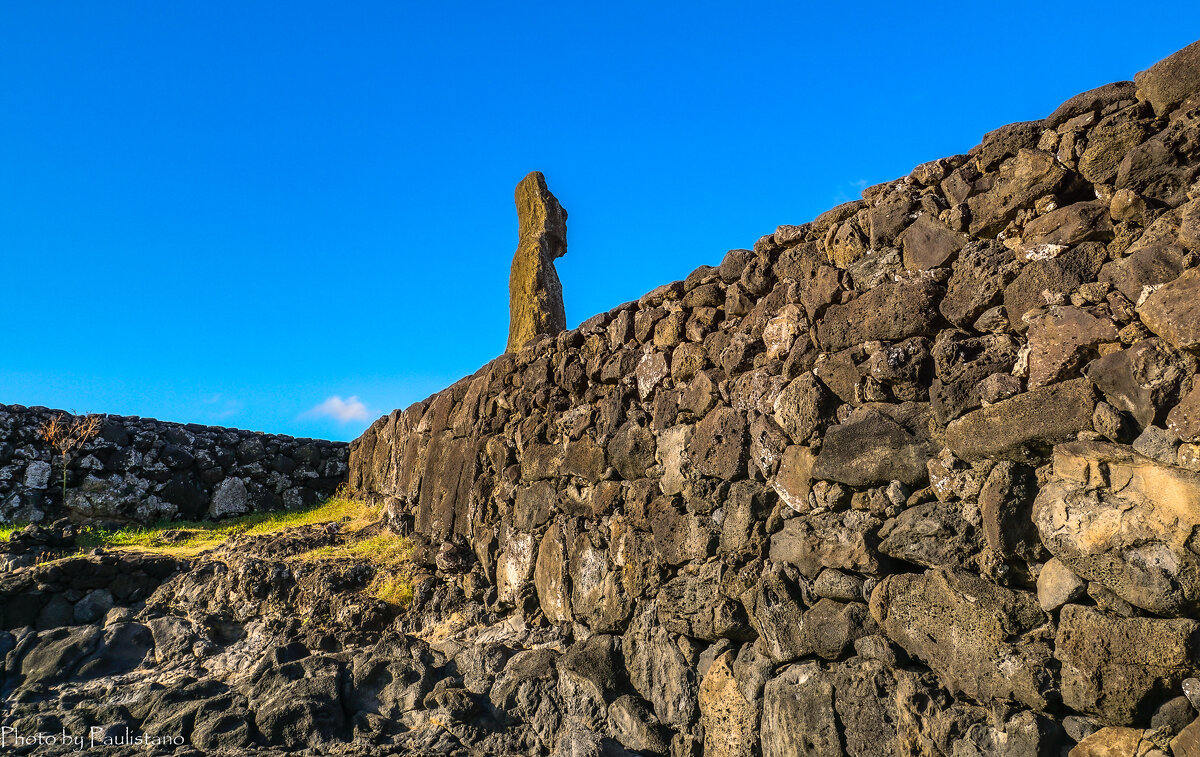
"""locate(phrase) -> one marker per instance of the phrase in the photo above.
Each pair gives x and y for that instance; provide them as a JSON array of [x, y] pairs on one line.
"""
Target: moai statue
[[535, 300]]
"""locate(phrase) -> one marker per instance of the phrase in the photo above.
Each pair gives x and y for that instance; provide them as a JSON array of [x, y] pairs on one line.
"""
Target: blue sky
[[295, 216]]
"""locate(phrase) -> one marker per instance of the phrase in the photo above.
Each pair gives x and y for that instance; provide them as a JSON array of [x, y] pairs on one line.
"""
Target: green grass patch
[[7, 530], [184, 538]]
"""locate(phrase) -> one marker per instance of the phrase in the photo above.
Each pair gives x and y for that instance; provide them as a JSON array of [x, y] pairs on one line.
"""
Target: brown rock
[[1025, 427], [929, 243], [1184, 418], [729, 721], [1109, 742], [1061, 339], [535, 293], [1143, 380], [719, 445], [1019, 183], [1058, 275], [793, 482], [973, 633], [1172, 80], [1148, 266], [845, 540], [1092, 101], [1122, 669], [802, 406], [1173, 311], [1080, 222], [877, 444], [889, 312], [1123, 520], [1187, 742]]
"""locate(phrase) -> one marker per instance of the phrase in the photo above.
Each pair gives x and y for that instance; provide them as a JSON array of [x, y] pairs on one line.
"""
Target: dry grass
[[388, 553], [189, 538]]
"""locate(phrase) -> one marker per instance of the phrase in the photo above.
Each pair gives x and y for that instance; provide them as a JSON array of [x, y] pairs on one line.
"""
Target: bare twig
[[67, 436]]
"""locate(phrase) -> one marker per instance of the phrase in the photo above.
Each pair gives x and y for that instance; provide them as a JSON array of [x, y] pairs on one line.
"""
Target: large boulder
[[979, 638], [1025, 427], [1173, 311], [1122, 669], [1172, 80], [876, 444], [1123, 520], [889, 312]]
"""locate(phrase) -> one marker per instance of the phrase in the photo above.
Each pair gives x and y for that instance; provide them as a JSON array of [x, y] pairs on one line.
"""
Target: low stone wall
[[79, 590], [143, 470], [919, 477]]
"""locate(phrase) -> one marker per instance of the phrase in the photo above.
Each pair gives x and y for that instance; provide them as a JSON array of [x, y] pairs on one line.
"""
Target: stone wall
[[143, 470], [918, 477]]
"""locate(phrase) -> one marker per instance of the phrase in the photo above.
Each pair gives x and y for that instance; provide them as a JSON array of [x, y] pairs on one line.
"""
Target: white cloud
[[341, 410]]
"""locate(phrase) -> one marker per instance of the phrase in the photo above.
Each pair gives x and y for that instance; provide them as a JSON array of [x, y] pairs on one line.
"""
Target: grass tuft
[[388, 553], [7, 530]]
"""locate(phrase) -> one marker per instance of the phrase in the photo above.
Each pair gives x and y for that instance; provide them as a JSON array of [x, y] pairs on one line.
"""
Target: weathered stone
[[719, 445], [1079, 222], [961, 362], [889, 312], [981, 273], [1005, 508], [1122, 669], [694, 605], [1143, 380], [1162, 168], [598, 597], [1109, 742], [1173, 311], [535, 293], [729, 721], [846, 541], [631, 450], [977, 636], [798, 715], [931, 535], [929, 243], [1187, 742], [1057, 585], [1045, 279], [793, 482], [1092, 101], [1025, 427], [1184, 418], [1125, 521], [551, 576], [229, 498], [1061, 339], [1029, 176], [801, 407], [877, 444], [37, 474], [658, 670], [1108, 142], [1172, 80]]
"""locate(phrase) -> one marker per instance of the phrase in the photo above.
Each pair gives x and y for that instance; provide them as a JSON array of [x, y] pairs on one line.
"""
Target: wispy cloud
[[340, 410], [218, 406], [850, 191]]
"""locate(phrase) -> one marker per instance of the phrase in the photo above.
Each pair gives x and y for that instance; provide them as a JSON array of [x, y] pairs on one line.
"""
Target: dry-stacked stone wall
[[921, 476], [144, 470]]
